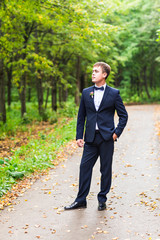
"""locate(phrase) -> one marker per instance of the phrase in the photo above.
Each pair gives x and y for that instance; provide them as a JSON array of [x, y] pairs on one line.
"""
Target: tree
[[51, 46], [2, 83], [137, 47]]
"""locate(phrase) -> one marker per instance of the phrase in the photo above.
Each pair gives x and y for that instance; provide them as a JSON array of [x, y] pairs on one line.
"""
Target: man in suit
[[96, 113]]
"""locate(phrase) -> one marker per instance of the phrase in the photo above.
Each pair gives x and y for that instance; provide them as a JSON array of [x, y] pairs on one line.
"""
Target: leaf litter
[[21, 186]]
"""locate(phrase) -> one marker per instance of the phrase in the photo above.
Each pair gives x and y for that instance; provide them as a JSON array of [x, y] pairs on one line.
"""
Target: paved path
[[133, 211]]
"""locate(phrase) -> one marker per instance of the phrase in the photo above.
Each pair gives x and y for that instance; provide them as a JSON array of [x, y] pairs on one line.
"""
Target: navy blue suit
[[101, 143]]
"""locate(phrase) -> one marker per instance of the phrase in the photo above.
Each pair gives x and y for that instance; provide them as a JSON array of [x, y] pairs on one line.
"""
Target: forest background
[[47, 51]]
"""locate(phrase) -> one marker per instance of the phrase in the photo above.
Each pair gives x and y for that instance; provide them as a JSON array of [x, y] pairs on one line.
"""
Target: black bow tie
[[99, 88]]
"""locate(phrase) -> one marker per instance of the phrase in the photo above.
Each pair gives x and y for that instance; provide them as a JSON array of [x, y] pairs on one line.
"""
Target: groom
[[96, 113]]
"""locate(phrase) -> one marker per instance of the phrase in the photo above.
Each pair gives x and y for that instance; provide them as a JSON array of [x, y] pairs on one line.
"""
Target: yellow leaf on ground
[[128, 165]]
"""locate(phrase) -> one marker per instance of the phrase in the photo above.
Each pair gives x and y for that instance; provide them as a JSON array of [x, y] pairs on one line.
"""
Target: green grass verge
[[16, 123], [38, 154]]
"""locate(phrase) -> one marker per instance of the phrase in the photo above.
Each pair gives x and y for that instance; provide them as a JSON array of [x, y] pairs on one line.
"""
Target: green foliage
[[140, 98], [69, 109], [40, 42], [16, 123], [38, 154], [138, 70], [25, 119]]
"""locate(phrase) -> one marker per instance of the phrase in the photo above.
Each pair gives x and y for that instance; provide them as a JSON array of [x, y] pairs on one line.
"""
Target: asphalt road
[[133, 206]]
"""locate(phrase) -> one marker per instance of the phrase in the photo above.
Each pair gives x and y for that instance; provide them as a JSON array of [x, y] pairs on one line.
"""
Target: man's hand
[[114, 137], [80, 142]]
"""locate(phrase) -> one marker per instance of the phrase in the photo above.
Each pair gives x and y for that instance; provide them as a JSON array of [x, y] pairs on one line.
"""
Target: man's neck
[[100, 84]]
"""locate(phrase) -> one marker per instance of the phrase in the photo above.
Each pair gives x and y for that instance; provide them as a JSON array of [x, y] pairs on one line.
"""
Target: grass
[[38, 154], [16, 123]]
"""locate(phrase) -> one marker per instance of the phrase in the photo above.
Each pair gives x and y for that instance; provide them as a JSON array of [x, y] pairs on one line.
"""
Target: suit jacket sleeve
[[81, 119], [122, 114]]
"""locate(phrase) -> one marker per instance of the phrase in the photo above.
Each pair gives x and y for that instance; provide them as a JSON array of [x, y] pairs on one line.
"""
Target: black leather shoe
[[101, 206], [76, 205]]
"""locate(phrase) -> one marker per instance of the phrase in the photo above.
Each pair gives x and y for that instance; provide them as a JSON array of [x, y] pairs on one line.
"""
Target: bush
[[26, 119], [69, 109], [129, 97]]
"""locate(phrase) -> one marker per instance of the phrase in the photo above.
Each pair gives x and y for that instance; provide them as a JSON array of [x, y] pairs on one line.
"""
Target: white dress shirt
[[98, 95]]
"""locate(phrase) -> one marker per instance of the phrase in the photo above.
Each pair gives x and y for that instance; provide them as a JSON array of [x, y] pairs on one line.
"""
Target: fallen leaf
[[11, 227], [128, 165], [58, 212], [37, 226], [85, 226]]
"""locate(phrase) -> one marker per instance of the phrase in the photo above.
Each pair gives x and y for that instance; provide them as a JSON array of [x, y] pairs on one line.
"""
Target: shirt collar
[[101, 86]]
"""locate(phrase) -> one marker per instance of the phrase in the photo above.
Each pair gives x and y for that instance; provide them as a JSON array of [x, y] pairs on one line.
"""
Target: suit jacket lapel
[[104, 96], [92, 97]]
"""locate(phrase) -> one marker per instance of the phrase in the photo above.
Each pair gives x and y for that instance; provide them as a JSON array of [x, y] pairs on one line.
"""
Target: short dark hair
[[105, 67]]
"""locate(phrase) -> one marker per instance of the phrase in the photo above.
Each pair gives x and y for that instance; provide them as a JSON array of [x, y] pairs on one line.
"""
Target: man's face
[[98, 77]]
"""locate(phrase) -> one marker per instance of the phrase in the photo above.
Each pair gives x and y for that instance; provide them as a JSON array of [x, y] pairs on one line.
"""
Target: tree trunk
[[138, 86], [77, 99], [2, 94], [151, 78], [23, 95], [40, 95], [60, 95], [118, 78], [39, 80], [9, 84], [64, 94], [22, 90], [85, 80], [22, 85], [82, 82], [29, 94], [145, 81], [54, 94], [2, 88], [47, 98]]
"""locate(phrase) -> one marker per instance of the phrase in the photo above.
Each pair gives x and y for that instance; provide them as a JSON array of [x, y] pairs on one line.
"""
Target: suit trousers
[[91, 152]]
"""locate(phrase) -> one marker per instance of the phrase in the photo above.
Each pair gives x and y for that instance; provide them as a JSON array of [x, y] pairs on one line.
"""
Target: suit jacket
[[88, 116]]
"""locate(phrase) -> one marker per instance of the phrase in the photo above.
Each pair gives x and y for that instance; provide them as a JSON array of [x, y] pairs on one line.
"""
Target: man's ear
[[105, 74]]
